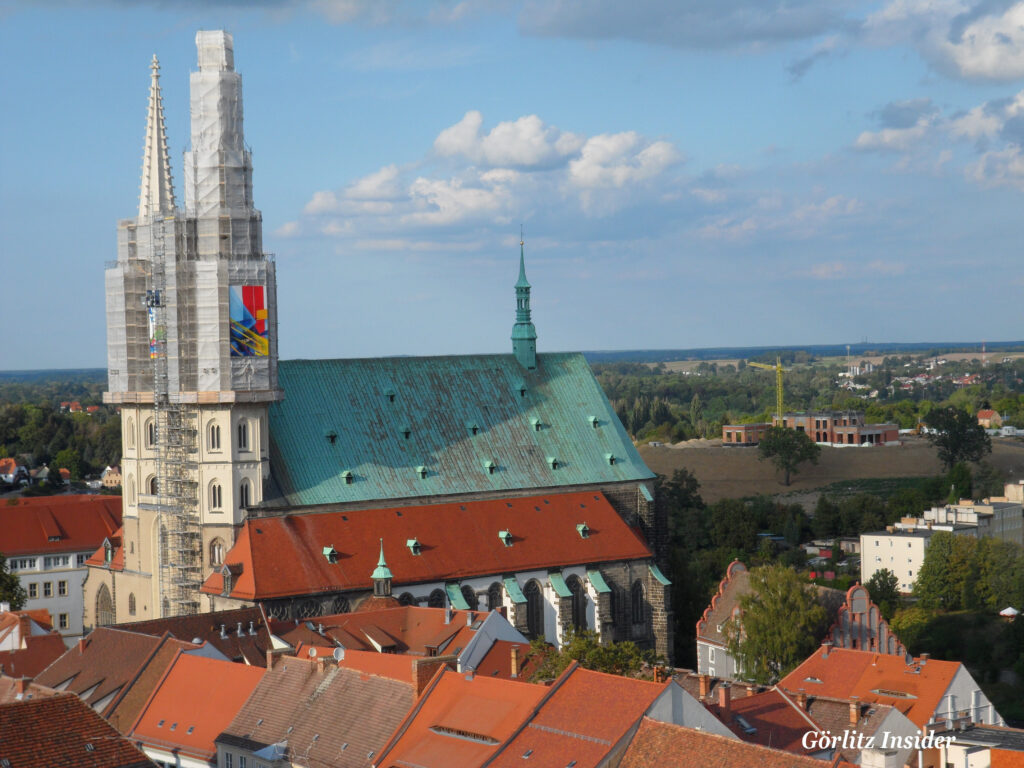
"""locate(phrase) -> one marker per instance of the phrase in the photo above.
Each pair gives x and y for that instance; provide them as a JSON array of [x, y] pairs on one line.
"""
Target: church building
[[492, 481]]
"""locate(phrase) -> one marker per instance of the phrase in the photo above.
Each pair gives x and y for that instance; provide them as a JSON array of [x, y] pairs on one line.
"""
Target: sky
[[686, 173]]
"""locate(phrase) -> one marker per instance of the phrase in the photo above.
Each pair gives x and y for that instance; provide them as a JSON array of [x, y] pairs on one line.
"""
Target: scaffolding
[[176, 502]]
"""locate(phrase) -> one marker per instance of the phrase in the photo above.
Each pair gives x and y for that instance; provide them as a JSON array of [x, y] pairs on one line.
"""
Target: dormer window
[[610, 458], [490, 466], [330, 554], [472, 427], [347, 477], [522, 390], [390, 395], [553, 462], [108, 551], [506, 537], [537, 424], [421, 472], [406, 432], [332, 437], [594, 421], [583, 530], [414, 546]]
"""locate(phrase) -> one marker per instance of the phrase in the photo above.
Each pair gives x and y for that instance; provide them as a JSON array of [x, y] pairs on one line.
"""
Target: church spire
[[381, 576], [157, 193], [524, 335]]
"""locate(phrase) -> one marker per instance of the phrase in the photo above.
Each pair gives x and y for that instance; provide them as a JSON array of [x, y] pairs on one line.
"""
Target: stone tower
[[192, 355]]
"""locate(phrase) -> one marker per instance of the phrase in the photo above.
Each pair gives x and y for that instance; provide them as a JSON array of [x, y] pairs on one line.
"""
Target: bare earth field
[[736, 472]]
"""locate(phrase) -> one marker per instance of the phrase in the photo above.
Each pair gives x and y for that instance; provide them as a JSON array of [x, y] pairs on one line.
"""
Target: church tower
[[524, 335], [192, 355]]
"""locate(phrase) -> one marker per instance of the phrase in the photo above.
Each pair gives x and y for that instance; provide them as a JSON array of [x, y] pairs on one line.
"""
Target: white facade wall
[[965, 695], [49, 573], [903, 554]]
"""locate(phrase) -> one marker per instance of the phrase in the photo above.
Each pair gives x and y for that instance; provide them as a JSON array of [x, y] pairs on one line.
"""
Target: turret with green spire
[[381, 576], [524, 335]]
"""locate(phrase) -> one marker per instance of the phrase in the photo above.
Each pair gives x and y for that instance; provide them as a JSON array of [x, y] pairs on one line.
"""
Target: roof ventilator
[[594, 422], [537, 424], [490, 466], [583, 530], [331, 554], [553, 462], [610, 458], [506, 537], [331, 436], [347, 477], [421, 472], [414, 546]]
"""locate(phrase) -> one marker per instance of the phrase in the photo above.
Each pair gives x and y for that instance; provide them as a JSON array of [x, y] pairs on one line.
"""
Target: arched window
[[579, 602], [244, 494], [243, 435], [436, 599], [469, 595], [406, 598], [152, 486], [104, 607], [308, 608], [213, 437], [150, 433], [638, 602], [216, 496], [131, 490], [131, 603], [534, 609], [339, 605], [495, 597], [166, 607], [129, 433], [217, 552]]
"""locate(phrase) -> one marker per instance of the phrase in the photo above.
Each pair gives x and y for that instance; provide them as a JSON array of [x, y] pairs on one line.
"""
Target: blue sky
[[688, 173]]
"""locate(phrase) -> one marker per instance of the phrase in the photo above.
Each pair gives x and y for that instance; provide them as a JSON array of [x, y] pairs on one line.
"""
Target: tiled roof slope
[[57, 524], [39, 652], [834, 715], [657, 744], [239, 644], [778, 721], [368, 405], [60, 731], [915, 689], [193, 703], [98, 559], [12, 690], [283, 556], [461, 720], [327, 715], [573, 727]]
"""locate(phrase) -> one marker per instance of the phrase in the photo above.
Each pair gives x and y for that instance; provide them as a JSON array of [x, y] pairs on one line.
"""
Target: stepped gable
[[724, 604], [473, 423], [860, 626]]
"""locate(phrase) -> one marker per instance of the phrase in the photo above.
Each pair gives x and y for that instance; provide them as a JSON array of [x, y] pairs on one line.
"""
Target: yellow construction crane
[[779, 370]]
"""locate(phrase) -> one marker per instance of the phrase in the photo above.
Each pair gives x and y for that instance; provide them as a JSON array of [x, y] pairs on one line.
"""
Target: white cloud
[[977, 123], [380, 185], [990, 47], [526, 142], [999, 168], [448, 201]]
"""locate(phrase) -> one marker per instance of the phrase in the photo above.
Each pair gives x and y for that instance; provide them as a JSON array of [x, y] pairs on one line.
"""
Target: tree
[[585, 647], [883, 586], [11, 590], [70, 460], [788, 449], [957, 436], [780, 624]]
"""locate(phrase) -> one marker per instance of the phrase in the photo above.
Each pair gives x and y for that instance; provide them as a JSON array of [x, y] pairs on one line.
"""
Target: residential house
[[111, 477], [28, 643], [47, 541], [12, 472], [860, 626], [989, 418], [14, 689]]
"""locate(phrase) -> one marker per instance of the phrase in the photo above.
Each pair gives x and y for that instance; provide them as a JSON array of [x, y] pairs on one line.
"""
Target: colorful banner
[[157, 334], [249, 321]]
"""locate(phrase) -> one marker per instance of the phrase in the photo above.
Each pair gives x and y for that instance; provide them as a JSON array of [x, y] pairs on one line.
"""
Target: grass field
[[736, 472]]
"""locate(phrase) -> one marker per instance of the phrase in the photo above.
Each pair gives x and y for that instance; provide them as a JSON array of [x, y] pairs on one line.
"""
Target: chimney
[[469, 618], [320, 629], [514, 666], [448, 614], [705, 686], [252, 628], [801, 698], [239, 631], [825, 648], [223, 632], [21, 685], [724, 697], [854, 710], [751, 689], [924, 658], [81, 645], [270, 658]]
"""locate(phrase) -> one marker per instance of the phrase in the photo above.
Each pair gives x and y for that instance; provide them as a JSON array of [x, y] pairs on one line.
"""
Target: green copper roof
[[381, 571], [657, 574], [514, 592], [598, 581], [392, 415], [558, 584], [522, 282], [456, 598]]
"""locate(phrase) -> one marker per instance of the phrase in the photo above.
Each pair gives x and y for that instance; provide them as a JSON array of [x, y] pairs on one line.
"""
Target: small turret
[[381, 576], [524, 335]]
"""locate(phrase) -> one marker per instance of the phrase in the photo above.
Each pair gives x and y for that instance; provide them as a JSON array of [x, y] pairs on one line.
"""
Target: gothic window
[[217, 552], [243, 435], [213, 437], [104, 607], [637, 602], [436, 599], [494, 597], [339, 605], [216, 496], [163, 545], [153, 487], [579, 602], [150, 433], [469, 594], [406, 598], [307, 609], [244, 494], [534, 609], [129, 433], [131, 603], [165, 607]]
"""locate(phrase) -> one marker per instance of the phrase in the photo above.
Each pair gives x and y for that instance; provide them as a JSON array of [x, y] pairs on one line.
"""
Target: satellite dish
[[339, 654], [312, 653]]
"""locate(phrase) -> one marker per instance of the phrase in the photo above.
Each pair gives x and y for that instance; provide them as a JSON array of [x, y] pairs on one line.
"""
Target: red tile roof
[[780, 723], [21, 689], [657, 744], [461, 720], [915, 689], [193, 703], [282, 556], [7, 466], [57, 524], [322, 714], [59, 731], [572, 725], [497, 662], [986, 413], [38, 652]]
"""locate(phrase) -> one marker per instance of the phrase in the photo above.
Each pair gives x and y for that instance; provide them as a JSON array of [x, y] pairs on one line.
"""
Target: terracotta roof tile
[[247, 647], [327, 715], [282, 556], [57, 524], [497, 662], [60, 731], [40, 651], [193, 703], [778, 721], [12, 690], [657, 743]]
